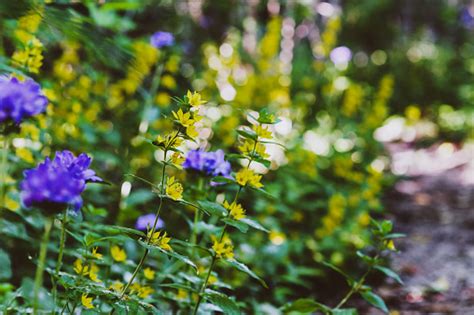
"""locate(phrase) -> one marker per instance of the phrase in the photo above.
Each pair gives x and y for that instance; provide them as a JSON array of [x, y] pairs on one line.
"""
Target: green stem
[[3, 171], [214, 258], [41, 263], [59, 262], [150, 235], [355, 288]]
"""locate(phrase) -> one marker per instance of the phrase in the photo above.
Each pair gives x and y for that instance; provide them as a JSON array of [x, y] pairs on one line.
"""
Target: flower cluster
[[161, 39], [58, 182], [20, 100], [210, 163]]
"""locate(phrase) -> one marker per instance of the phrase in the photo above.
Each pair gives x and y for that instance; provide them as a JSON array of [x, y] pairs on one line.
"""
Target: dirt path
[[436, 261]]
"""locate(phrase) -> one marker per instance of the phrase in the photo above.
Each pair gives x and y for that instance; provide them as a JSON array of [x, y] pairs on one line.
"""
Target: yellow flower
[[262, 132], [177, 159], [174, 189], [86, 301], [149, 273], [168, 82], [79, 268], [235, 210], [194, 99], [118, 254], [182, 294], [277, 238], [224, 248], [184, 119], [390, 245], [169, 141], [117, 286], [93, 273], [160, 240], [95, 254], [246, 176], [145, 291], [192, 132]]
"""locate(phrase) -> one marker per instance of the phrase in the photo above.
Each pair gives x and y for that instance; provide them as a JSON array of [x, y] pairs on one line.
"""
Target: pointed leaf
[[240, 266], [390, 273], [254, 224], [243, 227], [375, 300], [226, 304], [213, 208]]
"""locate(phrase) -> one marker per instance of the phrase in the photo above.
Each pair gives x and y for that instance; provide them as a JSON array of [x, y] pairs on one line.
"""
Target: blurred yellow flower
[[118, 254], [149, 273], [194, 99], [246, 176], [174, 189], [160, 240], [86, 301], [235, 210]]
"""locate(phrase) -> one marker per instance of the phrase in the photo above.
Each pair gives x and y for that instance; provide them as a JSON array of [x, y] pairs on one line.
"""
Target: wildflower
[[161, 39], [20, 100], [31, 57], [235, 210], [174, 189], [79, 268], [191, 131], [95, 254], [194, 99], [117, 286], [262, 132], [118, 254], [224, 248], [149, 273], [182, 294], [145, 291], [184, 119], [53, 184], [86, 301], [159, 240], [93, 273], [249, 147], [146, 222], [211, 163], [177, 159], [248, 177]]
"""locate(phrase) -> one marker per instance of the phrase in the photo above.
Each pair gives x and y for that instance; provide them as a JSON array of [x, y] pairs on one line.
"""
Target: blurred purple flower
[[146, 222], [19, 100], [467, 17], [211, 163], [340, 55], [54, 184], [162, 39]]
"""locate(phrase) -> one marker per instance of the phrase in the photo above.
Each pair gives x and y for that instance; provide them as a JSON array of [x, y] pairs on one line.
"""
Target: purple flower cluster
[[162, 39], [19, 100], [211, 163], [58, 182], [146, 222]]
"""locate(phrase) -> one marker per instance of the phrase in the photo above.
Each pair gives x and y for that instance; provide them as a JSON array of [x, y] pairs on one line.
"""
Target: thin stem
[[3, 170], [214, 257], [41, 263], [59, 262], [150, 235], [355, 288]]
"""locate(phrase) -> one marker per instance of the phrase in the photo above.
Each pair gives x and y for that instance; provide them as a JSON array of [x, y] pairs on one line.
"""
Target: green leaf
[[169, 253], [345, 311], [243, 227], [213, 208], [254, 224], [304, 306], [337, 269], [223, 180], [226, 304], [386, 226], [240, 266], [265, 162], [6, 268], [394, 235], [375, 300], [247, 134], [390, 273], [178, 286], [120, 230]]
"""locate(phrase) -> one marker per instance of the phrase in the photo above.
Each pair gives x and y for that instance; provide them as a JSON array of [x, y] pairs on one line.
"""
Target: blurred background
[[376, 101]]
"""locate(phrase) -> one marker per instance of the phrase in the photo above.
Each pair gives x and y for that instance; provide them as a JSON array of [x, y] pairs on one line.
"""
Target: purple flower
[[19, 100], [146, 222], [211, 163], [162, 39], [54, 184]]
